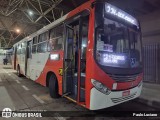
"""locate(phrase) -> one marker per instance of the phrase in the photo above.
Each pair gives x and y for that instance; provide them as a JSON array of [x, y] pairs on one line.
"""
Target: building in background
[[151, 46]]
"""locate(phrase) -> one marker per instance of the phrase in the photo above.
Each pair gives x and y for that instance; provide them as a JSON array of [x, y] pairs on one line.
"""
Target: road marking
[[25, 88], [17, 81], [59, 117], [38, 99]]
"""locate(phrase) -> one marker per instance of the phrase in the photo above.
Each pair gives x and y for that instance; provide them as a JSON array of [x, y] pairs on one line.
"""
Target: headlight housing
[[101, 87]]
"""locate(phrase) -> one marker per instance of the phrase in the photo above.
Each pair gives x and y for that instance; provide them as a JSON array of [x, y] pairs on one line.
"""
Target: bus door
[[68, 62], [23, 57], [75, 59], [15, 57], [32, 62], [28, 58]]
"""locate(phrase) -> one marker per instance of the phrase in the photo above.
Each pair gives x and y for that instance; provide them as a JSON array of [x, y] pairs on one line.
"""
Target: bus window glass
[[43, 37], [35, 40], [19, 49], [70, 41], [135, 51], [56, 38], [84, 44], [23, 49], [23, 44], [42, 47], [29, 49], [116, 43], [34, 48], [84, 41]]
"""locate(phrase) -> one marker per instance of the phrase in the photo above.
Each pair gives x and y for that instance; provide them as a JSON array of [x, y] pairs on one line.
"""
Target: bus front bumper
[[99, 100]]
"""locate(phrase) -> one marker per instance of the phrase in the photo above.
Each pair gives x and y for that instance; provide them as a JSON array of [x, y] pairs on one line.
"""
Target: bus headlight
[[101, 87]]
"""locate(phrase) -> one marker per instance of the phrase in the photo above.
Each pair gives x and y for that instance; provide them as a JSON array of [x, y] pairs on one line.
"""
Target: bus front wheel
[[53, 86]]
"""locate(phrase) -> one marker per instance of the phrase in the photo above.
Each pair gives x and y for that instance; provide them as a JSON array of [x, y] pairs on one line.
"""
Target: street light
[[30, 12], [18, 30]]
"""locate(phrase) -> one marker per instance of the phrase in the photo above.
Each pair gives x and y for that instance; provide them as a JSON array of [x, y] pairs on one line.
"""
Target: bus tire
[[18, 71], [53, 86]]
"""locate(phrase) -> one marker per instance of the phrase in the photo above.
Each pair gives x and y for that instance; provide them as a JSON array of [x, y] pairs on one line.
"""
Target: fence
[[151, 57]]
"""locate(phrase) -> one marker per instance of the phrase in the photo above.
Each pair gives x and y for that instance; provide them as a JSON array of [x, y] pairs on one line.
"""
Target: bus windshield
[[117, 45]]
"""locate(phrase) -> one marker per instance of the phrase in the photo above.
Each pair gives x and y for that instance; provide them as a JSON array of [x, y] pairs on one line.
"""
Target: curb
[[154, 104]]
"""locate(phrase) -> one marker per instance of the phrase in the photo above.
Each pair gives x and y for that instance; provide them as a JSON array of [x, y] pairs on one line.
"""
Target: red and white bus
[[91, 56]]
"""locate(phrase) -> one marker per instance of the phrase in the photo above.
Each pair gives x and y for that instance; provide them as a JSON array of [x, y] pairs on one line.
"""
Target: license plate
[[126, 93]]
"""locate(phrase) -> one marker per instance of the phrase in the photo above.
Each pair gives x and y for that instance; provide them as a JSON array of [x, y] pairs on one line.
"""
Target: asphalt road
[[24, 94]]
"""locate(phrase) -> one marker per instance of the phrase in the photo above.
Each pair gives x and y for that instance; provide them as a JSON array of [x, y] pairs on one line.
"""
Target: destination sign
[[110, 9]]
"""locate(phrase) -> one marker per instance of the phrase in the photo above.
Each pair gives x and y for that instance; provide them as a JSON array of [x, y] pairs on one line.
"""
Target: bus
[[91, 56]]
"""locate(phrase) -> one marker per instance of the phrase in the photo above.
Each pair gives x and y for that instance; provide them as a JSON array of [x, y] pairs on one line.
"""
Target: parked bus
[[92, 56]]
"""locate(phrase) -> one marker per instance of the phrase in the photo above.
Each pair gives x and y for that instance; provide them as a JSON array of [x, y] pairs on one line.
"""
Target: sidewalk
[[150, 95]]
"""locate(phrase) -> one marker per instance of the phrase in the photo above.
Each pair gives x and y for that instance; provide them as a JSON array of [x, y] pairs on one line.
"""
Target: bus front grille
[[123, 78], [121, 99]]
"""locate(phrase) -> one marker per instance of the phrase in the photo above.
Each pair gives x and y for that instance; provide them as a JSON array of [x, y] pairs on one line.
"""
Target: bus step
[[66, 94]]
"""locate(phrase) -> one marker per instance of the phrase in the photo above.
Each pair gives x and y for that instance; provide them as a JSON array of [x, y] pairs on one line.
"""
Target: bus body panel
[[37, 64], [54, 67], [89, 60], [100, 100], [99, 74]]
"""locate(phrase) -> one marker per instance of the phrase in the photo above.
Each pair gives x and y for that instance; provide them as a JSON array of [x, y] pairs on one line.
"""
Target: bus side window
[[42, 44], [23, 50], [56, 38], [29, 55], [43, 37], [35, 40], [34, 46], [42, 47]]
